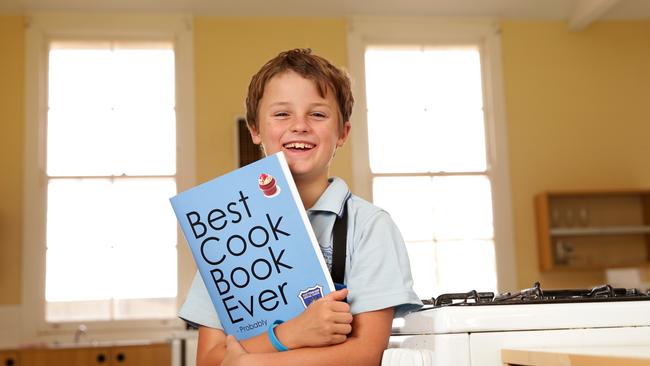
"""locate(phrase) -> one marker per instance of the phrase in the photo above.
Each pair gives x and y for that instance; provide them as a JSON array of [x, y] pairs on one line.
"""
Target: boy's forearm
[[364, 347], [352, 352], [215, 347]]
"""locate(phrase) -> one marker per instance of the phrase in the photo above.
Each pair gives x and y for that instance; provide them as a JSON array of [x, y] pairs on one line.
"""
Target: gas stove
[[535, 295], [471, 328]]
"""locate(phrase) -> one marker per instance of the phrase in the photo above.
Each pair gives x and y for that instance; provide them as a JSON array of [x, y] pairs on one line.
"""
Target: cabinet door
[[9, 358], [154, 354], [66, 357]]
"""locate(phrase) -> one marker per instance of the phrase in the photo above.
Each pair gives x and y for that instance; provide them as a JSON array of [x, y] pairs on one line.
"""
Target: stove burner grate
[[536, 295]]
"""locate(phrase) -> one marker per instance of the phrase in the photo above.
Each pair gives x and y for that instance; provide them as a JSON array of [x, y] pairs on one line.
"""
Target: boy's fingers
[[339, 295], [342, 328], [342, 318]]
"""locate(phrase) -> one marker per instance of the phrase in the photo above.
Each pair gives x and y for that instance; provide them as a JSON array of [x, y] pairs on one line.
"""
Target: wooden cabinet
[[9, 358], [141, 355], [155, 354], [65, 356], [593, 229]]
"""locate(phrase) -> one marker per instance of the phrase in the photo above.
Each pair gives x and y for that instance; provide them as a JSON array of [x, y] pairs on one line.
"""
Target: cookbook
[[253, 246]]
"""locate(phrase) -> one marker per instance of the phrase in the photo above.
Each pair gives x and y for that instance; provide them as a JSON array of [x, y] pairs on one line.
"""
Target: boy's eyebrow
[[279, 104], [315, 104]]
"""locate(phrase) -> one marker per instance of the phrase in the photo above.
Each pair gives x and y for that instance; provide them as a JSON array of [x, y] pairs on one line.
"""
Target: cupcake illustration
[[268, 185]]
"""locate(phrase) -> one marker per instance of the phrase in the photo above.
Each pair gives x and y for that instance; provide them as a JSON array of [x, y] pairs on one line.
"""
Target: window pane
[[422, 256], [409, 200], [144, 273], [465, 265], [142, 212], [462, 208], [98, 213], [80, 78], [81, 141], [426, 104], [111, 142], [457, 141], [452, 266], [106, 77], [441, 208], [448, 78], [149, 73], [81, 273], [119, 120], [79, 215], [408, 133], [110, 239]]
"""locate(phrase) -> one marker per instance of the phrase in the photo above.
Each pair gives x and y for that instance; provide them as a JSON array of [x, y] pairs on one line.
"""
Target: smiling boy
[[300, 104]]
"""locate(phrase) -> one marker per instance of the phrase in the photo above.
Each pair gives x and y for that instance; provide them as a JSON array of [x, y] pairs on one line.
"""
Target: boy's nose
[[300, 124]]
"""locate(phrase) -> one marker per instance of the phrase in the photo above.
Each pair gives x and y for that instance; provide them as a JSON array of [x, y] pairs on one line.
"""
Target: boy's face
[[295, 119]]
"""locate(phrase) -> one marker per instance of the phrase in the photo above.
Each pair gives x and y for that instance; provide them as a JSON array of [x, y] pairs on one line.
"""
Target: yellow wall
[[576, 108], [578, 118], [228, 51], [12, 84]]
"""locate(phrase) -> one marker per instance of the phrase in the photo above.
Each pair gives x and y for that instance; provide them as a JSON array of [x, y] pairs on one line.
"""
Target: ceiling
[[500, 9]]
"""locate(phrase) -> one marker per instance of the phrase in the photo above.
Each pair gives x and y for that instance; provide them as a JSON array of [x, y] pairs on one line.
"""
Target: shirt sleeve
[[198, 308], [379, 274]]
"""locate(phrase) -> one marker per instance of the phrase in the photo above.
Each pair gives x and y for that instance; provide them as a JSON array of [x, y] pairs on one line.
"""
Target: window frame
[[437, 32], [40, 30]]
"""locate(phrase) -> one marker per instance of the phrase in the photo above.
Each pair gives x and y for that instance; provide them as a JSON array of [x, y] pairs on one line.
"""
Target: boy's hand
[[235, 354], [325, 322]]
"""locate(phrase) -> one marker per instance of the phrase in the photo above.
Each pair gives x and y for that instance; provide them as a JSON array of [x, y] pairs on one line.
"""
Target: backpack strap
[[339, 236]]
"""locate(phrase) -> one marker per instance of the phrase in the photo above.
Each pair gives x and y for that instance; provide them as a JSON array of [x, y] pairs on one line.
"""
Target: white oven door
[[486, 347]]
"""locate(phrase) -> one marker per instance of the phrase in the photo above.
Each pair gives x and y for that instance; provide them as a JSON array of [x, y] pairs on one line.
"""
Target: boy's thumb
[[339, 295]]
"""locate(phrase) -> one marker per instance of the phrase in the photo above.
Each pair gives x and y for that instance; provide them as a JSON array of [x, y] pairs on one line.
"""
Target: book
[[253, 245]]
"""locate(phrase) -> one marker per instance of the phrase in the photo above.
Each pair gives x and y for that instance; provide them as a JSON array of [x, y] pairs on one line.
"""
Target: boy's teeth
[[298, 145]]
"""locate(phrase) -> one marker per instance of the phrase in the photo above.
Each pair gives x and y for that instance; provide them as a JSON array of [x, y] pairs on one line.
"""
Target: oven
[[471, 328]]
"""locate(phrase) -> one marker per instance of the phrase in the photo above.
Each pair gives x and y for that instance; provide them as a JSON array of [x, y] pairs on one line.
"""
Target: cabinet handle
[[121, 357], [101, 358], [9, 362]]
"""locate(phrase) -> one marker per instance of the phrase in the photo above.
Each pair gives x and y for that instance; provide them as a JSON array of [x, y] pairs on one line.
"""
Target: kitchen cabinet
[[64, 356], [155, 354], [141, 355], [593, 229], [9, 358]]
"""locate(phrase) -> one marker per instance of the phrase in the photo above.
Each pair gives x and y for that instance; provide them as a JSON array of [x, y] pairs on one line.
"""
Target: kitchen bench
[[578, 356]]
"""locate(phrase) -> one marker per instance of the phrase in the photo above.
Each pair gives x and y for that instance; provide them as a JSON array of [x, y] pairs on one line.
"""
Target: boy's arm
[[365, 346], [325, 322]]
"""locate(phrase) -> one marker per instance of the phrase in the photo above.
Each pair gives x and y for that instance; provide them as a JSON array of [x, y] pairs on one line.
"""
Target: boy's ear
[[343, 136], [255, 135]]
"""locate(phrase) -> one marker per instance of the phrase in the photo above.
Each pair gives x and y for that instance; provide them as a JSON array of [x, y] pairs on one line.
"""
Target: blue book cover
[[253, 245]]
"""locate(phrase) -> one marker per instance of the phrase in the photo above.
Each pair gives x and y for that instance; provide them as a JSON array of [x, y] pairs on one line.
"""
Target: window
[[425, 105], [111, 165], [109, 139], [435, 146]]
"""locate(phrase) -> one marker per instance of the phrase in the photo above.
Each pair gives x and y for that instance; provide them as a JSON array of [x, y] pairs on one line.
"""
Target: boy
[[300, 104]]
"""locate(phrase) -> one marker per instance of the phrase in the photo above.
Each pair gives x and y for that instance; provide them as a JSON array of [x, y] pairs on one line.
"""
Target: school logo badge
[[310, 295]]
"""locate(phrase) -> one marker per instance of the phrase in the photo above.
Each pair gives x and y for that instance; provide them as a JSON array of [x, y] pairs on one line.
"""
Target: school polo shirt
[[377, 270]]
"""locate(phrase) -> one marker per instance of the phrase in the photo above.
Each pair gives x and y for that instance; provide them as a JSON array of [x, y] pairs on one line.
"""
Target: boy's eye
[[319, 114], [280, 114]]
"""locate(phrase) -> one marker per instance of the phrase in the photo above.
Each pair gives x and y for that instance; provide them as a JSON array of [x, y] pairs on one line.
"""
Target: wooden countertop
[[578, 356]]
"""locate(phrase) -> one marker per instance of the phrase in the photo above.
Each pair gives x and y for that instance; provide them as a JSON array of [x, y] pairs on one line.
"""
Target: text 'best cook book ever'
[[253, 245]]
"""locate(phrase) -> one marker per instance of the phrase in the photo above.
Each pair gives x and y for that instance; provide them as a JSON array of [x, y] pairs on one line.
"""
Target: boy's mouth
[[298, 146]]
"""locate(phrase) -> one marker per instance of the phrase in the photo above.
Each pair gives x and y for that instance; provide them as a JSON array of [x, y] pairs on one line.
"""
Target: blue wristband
[[274, 340]]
